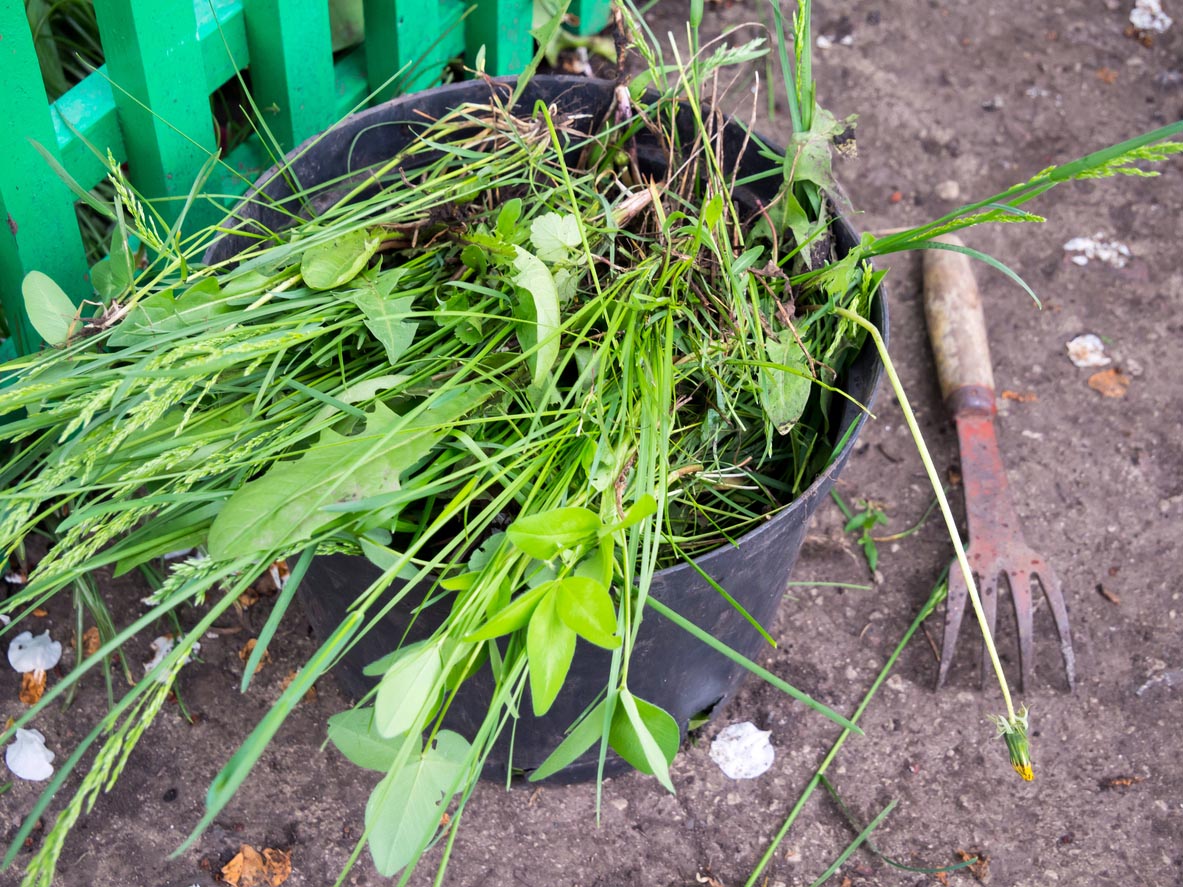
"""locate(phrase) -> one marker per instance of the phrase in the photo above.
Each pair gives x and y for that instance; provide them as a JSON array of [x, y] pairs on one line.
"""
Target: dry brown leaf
[[90, 641], [942, 878], [980, 869], [278, 864], [245, 653], [41, 612], [32, 687], [249, 868], [1021, 397], [1110, 383], [1107, 75], [310, 696]]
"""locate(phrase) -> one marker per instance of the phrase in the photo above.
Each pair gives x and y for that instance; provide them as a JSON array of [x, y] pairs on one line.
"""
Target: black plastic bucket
[[669, 667]]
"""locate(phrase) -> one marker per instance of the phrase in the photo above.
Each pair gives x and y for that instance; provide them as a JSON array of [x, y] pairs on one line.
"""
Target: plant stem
[[942, 501]]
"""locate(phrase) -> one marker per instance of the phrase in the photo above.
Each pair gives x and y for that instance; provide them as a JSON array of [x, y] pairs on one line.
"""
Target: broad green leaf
[[507, 218], [783, 394], [286, 505], [554, 236], [543, 535], [384, 558], [112, 277], [599, 564], [583, 736], [410, 686], [405, 809], [513, 616], [474, 257], [644, 507], [646, 736], [335, 263], [538, 330], [550, 645], [48, 308], [161, 313], [355, 736], [713, 211], [387, 320], [585, 606]]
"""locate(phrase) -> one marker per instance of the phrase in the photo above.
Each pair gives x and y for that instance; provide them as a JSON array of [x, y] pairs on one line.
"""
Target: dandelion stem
[[943, 502]]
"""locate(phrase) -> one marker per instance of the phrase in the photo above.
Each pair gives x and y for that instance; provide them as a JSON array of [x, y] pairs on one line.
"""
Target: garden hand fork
[[957, 329]]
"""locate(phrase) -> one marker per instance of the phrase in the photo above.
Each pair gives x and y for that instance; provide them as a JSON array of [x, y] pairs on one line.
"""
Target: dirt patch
[[954, 98]]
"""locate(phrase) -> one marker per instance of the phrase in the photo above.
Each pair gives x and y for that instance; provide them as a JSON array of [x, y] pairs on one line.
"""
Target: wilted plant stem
[[942, 501]]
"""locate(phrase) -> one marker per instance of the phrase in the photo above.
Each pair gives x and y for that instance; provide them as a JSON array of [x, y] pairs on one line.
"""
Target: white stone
[[1147, 15], [28, 758], [1088, 350], [743, 751], [28, 653]]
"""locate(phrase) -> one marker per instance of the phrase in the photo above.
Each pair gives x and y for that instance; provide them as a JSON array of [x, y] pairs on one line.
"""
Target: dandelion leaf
[[784, 388], [286, 506]]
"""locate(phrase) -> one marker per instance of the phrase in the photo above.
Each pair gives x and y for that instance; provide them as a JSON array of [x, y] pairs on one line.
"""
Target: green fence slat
[[221, 30], [411, 36], [503, 28], [40, 229], [89, 110], [593, 15], [291, 51], [158, 71]]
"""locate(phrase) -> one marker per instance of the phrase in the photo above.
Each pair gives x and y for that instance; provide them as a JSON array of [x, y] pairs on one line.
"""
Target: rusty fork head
[[997, 549]]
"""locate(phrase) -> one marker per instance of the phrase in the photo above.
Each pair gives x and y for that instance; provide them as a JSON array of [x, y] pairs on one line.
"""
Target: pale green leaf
[[646, 736], [387, 320], [513, 616], [544, 534], [550, 646], [48, 308], [405, 809], [336, 262], [784, 389], [409, 688], [354, 734], [538, 329], [161, 313], [585, 606], [287, 504], [554, 236]]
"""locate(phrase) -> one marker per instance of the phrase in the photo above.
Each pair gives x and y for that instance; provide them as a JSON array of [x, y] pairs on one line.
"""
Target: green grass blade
[[739, 659]]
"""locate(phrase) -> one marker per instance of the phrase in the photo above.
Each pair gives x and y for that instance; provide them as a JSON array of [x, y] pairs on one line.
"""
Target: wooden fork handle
[[957, 329]]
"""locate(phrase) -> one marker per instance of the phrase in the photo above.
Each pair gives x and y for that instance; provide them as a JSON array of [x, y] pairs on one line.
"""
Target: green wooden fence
[[149, 105]]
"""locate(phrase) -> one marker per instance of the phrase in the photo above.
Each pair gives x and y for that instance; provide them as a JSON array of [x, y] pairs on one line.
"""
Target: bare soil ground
[[982, 95]]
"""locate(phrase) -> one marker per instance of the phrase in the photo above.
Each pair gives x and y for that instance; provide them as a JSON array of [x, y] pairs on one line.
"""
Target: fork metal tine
[[954, 611], [1020, 594], [989, 595], [1055, 598]]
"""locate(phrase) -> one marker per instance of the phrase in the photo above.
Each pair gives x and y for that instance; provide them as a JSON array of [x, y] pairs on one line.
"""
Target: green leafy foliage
[[550, 646], [49, 309], [405, 809], [386, 316], [785, 386], [585, 606], [162, 313], [545, 534], [354, 733], [646, 736], [288, 502], [408, 690], [336, 262], [539, 313]]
